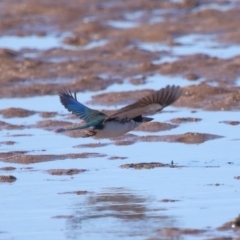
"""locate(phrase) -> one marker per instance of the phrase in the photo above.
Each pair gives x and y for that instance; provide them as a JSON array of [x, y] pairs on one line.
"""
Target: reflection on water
[[117, 213], [135, 210]]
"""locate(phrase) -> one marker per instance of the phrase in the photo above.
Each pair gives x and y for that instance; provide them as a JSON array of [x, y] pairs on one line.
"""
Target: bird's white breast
[[115, 129]]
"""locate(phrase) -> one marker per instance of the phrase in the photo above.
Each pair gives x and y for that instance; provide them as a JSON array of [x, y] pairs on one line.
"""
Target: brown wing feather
[[153, 102]]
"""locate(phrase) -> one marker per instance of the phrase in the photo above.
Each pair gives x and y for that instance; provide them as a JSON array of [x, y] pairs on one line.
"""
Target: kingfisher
[[100, 125]]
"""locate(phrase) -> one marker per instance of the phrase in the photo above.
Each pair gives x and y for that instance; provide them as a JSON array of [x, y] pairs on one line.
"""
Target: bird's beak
[[147, 119]]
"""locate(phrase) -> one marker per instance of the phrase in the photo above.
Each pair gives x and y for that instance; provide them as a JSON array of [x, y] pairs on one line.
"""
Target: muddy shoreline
[[169, 175]]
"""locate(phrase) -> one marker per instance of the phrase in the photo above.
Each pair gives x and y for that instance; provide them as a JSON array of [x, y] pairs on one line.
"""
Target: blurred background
[[174, 178]]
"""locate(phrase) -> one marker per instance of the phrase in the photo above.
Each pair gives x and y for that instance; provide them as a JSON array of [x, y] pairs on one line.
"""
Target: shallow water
[[121, 203], [32, 42], [43, 43], [122, 24], [195, 44]]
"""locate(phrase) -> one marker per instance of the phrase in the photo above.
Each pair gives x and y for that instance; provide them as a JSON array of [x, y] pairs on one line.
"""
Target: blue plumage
[[71, 104], [124, 120]]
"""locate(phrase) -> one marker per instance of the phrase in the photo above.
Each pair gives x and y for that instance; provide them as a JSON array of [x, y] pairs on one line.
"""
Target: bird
[[100, 125]]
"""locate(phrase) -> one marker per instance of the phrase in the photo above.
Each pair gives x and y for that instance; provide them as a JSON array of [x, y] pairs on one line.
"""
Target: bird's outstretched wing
[[152, 103], [69, 101]]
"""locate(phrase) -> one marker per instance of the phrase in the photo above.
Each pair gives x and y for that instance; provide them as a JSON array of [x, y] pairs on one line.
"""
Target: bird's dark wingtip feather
[[65, 93], [66, 98], [177, 92], [168, 95]]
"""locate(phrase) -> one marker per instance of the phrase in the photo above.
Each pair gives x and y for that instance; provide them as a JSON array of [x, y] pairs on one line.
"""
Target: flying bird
[[125, 119]]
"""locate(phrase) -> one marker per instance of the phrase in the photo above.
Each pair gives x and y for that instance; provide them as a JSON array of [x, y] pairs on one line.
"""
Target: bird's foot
[[89, 134]]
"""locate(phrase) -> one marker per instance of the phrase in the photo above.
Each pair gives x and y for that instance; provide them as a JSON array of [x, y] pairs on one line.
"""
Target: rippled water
[[122, 203]]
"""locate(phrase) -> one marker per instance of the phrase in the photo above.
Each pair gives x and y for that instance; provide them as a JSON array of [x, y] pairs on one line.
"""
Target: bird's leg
[[89, 133]]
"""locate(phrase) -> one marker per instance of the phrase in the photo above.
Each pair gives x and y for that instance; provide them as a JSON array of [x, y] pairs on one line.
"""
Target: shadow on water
[[117, 212]]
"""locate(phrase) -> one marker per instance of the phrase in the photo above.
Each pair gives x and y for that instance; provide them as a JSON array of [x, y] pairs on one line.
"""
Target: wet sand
[[176, 177]]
